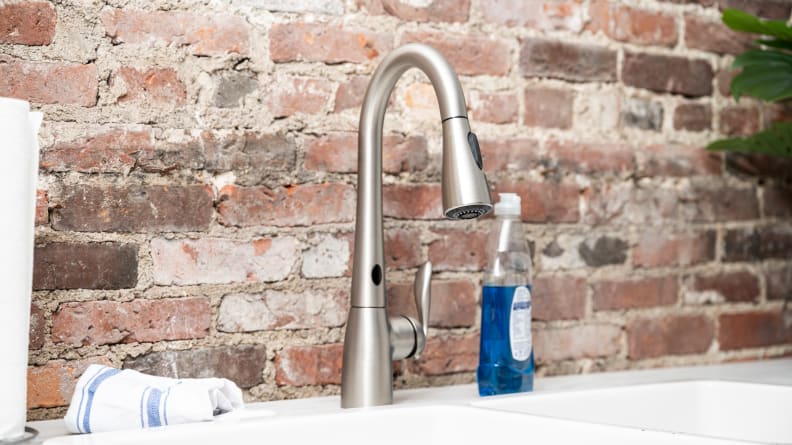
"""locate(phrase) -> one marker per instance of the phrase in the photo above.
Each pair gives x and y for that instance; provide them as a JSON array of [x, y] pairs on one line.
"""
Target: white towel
[[108, 399]]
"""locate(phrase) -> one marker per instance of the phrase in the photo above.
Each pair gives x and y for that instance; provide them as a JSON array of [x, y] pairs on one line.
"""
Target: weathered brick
[[535, 14], [27, 23], [242, 364], [721, 204], [753, 330], [232, 88], [622, 203], [691, 77], [577, 342], [402, 248], [133, 208], [337, 152], [309, 365], [330, 257], [779, 282], [205, 35], [497, 108], [253, 156], [334, 7], [299, 95], [669, 335], [562, 253], [693, 117], [421, 97], [42, 207], [599, 108], [545, 201], [453, 303], [677, 161], [769, 9], [33, 81], [468, 54], [633, 25], [635, 293], [603, 251], [657, 249], [754, 164], [777, 201], [111, 322], [559, 297], [434, 11], [566, 155], [723, 79], [351, 93], [214, 260], [643, 114], [546, 107], [739, 120], [274, 310], [757, 244], [735, 286], [113, 150], [154, 85], [714, 36], [85, 266], [502, 154], [314, 42], [448, 355], [456, 249], [296, 205], [53, 384], [567, 61], [412, 201], [38, 327]]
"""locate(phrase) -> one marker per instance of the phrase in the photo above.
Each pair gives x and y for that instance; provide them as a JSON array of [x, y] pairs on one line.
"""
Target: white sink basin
[[730, 410], [392, 425]]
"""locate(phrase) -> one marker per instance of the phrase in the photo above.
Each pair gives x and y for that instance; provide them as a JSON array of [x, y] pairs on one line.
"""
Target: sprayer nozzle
[[469, 211]]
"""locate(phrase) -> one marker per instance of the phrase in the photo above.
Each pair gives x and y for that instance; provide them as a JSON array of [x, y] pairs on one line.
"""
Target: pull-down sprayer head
[[465, 191]]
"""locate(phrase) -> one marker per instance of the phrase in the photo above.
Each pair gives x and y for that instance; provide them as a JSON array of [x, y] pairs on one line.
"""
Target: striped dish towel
[[108, 399]]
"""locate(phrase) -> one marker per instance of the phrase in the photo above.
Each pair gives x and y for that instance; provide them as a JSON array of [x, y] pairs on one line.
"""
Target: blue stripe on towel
[[106, 374], [142, 399], [82, 398], [153, 409]]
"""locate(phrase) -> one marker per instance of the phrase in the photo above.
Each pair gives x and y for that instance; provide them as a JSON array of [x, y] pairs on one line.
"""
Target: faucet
[[372, 340]]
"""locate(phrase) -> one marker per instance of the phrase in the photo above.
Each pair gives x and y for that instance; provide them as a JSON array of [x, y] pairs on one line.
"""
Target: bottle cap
[[509, 204]]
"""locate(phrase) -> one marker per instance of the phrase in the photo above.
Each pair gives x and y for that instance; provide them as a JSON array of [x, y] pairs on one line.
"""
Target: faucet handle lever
[[423, 295]]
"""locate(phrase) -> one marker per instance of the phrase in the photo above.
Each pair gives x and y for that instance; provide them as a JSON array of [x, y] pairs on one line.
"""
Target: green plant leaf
[[761, 57], [742, 21], [780, 44], [765, 83], [775, 141]]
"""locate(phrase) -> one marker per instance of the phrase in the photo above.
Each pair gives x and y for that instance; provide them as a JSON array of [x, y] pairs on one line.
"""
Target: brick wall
[[197, 189]]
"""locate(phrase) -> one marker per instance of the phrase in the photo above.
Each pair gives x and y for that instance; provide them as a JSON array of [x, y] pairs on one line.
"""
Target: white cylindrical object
[[19, 172]]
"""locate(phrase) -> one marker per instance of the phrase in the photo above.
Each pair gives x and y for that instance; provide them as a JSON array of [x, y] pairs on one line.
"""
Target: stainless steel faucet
[[372, 339]]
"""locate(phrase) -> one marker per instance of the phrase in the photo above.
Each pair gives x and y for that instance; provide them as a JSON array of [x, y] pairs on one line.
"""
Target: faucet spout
[[372, 341]]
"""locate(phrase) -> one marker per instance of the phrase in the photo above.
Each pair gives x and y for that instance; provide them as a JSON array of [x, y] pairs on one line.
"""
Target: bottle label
[[520, 324]]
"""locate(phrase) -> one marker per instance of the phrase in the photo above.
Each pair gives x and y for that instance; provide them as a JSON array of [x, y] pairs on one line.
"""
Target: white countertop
[[776, 372]]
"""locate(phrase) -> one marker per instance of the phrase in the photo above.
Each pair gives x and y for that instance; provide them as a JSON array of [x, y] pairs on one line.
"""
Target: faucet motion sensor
[[373, 340]]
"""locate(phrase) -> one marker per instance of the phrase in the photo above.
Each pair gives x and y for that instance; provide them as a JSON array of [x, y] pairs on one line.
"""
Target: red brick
[[468, 54], [550, 108], [753, 330], [53, 384], [657, 249], [106, 151], [534, 14], [622, 203], [154, 85], [714, 36], [777, 201], [434, 11], [314, 42], [633, 25], [337, 152], [677, 161], [724, 78], [497, 108], [351, 93], [448, 355], [577, 342], [739, 120], [203, 34], [276, 310], [589, 158], [502, 155], [42, 208], [769, 9], [38, 327], [85, 266], [779, 283], [693, 117], [402, 248], [309, 365], [296, 205], [545, 201], [412, 201], [559, 298], [672, 74], [453, 303], [737, 286], [33, 81], [567, 61], [751, 244], [456, 249], [755, 164], [219, 261], [299, 95], [635, 293], [133, 208], [111, 322], [421, 96], [669, 335], [721, 204], [27, 23]]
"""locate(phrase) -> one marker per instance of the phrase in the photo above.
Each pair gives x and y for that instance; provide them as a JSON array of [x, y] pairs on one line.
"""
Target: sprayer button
[[376, 274], [474, 148]]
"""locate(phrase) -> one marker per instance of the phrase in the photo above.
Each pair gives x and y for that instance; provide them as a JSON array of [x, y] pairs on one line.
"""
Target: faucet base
[[367, 376]]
